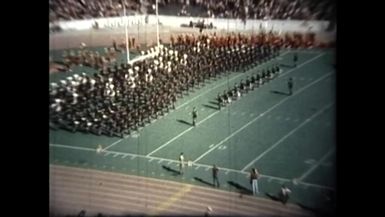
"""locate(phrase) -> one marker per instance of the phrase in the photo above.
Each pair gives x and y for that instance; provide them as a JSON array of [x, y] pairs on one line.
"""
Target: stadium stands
[[247, 9]]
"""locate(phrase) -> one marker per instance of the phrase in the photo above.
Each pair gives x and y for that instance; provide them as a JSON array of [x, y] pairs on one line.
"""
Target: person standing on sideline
[[295, 59], [215, 176], [99, 149], [194, 115], [181, 163], [220, 101], [254, 175], [284, 194], [290, 86]]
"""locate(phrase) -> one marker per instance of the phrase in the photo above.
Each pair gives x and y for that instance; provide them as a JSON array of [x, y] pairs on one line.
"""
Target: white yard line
[[194, 164], [316, 165], [260, 115], [286, 136], [181, 134], [300, 65]]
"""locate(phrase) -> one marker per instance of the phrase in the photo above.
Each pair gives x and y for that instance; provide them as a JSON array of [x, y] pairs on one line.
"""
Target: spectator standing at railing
[[181, 163], [215, 171], [208, 212], [254, 176], [283, 195]]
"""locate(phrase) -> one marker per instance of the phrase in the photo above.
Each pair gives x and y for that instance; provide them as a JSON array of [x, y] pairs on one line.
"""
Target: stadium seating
[[252, 9]]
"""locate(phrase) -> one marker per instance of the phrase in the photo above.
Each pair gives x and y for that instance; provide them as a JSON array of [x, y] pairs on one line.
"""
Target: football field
[[290, 139]]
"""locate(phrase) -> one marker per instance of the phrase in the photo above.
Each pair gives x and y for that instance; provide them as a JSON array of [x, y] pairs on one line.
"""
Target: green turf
[[296, 154]]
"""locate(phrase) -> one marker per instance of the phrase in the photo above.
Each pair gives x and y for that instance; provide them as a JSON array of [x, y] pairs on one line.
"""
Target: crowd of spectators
[[264, 9], [242, 9], [87, 9]]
